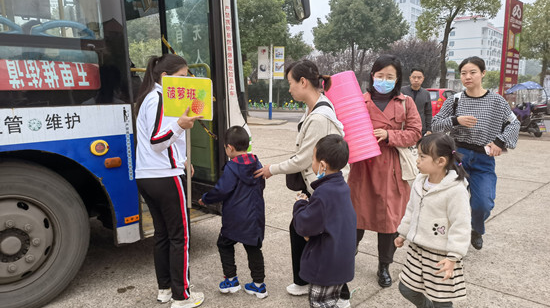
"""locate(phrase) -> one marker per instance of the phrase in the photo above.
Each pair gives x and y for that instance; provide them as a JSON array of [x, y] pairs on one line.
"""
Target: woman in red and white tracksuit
[[160, 163]]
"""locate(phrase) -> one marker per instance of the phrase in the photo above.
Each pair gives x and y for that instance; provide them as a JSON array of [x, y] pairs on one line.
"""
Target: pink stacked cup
[[347, 98]]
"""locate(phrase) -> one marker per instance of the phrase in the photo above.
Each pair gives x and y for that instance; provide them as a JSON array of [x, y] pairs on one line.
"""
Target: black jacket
[[423, 104]]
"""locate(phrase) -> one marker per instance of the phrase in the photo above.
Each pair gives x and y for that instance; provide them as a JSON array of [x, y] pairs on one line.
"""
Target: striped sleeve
[[162, 134]]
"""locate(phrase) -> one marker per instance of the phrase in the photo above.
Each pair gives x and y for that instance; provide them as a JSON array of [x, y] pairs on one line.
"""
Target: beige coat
[[315, 125]]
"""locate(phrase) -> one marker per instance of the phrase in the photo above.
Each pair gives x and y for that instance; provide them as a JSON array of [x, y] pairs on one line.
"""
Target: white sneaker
[[343, 303], [297, 290], [164, 295], [195, 300]]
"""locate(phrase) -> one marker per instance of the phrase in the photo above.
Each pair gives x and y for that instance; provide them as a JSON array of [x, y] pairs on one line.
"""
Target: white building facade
[[411, 10], [475, 36]]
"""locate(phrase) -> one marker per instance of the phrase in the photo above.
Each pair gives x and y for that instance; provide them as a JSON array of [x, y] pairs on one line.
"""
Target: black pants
[[226, 247], [166, 202], [386, 250], [297, 245]]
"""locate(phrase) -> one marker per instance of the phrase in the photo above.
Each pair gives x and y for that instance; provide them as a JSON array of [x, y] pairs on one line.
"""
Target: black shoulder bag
[[295, 181]]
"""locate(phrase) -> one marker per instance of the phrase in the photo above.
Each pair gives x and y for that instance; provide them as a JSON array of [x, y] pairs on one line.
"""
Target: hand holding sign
[[187, 122]]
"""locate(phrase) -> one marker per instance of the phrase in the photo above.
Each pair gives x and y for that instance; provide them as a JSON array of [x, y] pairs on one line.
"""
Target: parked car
[[438, 97]]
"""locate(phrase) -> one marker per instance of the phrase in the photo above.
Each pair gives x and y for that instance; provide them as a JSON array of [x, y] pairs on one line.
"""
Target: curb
[[260, 121]]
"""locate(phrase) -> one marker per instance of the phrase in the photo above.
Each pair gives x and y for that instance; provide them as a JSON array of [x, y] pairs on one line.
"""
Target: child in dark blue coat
[[243, 213], [328, 223]]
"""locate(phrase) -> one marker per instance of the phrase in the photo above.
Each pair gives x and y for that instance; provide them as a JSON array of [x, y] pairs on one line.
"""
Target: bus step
[[147, 220]]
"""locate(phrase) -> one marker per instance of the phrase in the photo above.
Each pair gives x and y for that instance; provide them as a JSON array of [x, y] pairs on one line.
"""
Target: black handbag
[[295, 181]]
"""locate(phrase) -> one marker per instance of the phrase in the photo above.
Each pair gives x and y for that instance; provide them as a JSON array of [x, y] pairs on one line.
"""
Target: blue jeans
[[483, 183]]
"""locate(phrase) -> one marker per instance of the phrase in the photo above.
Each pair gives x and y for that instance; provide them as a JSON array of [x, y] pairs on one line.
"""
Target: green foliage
[[359, 25], [535, 36], [453, 65], [491, 80], [414, 53], [261, 22], [440, 14]]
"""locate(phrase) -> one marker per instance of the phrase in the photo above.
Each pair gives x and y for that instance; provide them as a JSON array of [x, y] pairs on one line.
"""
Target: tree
[[491, 80], [535, 36], [415, 53], [439, 14], [265, 22], [359, 25]]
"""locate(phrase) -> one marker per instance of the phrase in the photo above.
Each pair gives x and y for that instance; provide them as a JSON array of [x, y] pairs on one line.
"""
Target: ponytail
[[327, 82], [167, 63], [456, 165]]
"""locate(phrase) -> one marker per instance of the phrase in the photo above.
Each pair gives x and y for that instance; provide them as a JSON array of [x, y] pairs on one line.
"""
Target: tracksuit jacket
[[163, 154]]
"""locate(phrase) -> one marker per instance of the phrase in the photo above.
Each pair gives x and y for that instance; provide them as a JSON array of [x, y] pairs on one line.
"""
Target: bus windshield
[[57, 18]]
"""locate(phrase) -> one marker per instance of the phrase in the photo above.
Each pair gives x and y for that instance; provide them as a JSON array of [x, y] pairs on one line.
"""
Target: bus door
[[199, 31]]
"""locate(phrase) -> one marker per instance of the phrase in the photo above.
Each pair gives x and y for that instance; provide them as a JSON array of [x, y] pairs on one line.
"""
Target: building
[[475, 36], [411, 10]]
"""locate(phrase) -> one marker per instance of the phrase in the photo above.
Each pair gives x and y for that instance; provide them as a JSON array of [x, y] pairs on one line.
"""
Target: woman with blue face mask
[[378, 193]]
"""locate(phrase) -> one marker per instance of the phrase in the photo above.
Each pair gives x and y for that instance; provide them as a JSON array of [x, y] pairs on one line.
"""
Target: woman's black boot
[[384, 278]]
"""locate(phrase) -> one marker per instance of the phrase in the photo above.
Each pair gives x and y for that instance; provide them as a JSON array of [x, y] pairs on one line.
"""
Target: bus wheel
[[44, 234]]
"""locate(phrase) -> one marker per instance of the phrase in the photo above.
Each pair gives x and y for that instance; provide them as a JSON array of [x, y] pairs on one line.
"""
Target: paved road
[[290, 116], [509, 272]]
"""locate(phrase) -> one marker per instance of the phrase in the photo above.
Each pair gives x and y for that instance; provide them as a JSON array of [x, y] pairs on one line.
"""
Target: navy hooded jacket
[[329, 220], [243, 207]]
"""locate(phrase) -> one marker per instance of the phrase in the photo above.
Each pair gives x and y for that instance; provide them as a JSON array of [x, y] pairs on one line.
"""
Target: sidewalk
[[510, 271]]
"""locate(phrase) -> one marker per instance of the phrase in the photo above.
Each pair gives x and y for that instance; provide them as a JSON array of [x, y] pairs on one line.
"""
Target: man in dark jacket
[[243, 213], [328, 223], [421, 98]]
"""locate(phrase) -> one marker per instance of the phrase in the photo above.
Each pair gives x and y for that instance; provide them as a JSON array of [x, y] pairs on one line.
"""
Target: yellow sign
[[178, 93]]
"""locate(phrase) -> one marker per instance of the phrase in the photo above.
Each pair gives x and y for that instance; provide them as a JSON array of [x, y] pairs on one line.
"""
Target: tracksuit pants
[[166, 201]]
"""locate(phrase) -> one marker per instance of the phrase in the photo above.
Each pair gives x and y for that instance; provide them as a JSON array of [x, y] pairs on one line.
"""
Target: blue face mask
[[383, 86], [320, 175]]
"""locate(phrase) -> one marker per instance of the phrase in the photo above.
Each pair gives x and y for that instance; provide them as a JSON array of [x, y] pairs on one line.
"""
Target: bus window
[[143, 29], [57, 18], [70, 60]]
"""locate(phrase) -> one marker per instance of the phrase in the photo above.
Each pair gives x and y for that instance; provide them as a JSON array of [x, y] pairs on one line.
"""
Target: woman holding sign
[[160, 165]]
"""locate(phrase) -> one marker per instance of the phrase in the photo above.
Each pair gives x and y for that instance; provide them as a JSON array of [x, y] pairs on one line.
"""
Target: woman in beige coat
[[318, 121]]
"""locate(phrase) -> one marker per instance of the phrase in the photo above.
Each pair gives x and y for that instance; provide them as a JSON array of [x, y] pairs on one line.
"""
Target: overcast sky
[[320, 8]]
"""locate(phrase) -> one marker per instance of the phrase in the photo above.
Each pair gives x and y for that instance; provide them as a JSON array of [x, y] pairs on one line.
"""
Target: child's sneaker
[[230, 286], [164, 295], [195, 300], [260, 291]]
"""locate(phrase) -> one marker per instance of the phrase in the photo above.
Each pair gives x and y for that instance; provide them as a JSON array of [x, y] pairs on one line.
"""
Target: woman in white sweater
[[318, 121], [437, 226]]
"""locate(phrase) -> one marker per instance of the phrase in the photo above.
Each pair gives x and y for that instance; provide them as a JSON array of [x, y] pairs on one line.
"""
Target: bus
[[69, 75]]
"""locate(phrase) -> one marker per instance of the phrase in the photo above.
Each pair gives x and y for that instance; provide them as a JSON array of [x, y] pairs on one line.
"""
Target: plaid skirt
[[419, 275], [324, 296]]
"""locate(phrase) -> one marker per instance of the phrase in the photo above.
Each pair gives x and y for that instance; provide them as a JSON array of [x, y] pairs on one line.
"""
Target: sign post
[[509, 65]]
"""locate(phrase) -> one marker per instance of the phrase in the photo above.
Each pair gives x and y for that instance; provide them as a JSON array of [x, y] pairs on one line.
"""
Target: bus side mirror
[[301, 9]]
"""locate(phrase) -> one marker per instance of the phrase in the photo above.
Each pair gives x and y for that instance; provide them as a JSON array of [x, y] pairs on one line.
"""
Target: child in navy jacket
[[243, 213], [328, 223]]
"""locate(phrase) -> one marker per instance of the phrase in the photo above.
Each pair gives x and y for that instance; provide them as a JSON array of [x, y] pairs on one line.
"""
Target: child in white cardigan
[[437, 224]]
